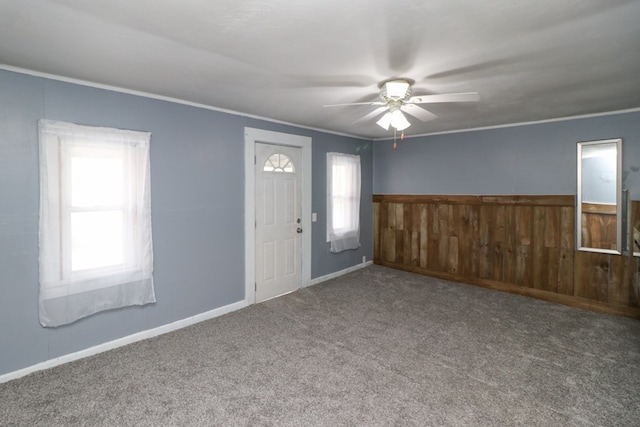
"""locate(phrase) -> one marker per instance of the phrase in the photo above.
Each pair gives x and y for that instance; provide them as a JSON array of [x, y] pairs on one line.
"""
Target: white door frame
[[251, 136]]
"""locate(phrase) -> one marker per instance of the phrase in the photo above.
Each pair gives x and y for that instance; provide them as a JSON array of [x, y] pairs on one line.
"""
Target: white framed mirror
[[599, 199]]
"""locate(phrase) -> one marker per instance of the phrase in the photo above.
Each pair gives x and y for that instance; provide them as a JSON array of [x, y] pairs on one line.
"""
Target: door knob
[[299, 230]]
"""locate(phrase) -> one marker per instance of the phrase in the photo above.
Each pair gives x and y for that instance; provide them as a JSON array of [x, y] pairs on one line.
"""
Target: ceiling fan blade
[[319, 81], [482, 67], [418, 112], [492, 67], [355, 103], [445, 97], [371, 114]]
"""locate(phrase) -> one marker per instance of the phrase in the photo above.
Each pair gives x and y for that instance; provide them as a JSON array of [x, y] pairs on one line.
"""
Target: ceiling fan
[[395, 95]]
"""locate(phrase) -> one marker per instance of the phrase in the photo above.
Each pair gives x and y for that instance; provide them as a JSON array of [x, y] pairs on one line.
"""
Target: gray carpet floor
[[377, 347]]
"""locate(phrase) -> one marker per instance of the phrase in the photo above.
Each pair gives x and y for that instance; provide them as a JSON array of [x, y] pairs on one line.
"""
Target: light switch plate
[[314, 217]]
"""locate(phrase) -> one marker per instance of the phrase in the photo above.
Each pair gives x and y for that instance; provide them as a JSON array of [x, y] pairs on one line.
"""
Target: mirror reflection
[[599, 212], [635, 227]]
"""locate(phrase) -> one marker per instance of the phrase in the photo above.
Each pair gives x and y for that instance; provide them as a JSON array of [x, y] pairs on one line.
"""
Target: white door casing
[[252, 138], [278, 230]]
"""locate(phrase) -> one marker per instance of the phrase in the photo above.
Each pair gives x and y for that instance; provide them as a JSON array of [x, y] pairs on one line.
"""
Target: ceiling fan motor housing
[[395, 90]]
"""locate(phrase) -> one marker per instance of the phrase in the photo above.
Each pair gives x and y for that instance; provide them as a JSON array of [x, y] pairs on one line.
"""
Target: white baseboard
[[150, 333], [139, 336], [339, 273]]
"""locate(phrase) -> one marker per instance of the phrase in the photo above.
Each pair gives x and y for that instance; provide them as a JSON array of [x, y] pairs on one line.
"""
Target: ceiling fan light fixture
[[385, 121], [397, 88], [399, 121]]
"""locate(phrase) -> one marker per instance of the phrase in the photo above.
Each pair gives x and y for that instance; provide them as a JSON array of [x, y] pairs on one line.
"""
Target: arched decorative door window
[[278, 163]]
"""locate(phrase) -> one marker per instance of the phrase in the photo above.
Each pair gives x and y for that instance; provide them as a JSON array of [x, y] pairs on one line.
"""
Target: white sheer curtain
[[95, 221], [343, 201]]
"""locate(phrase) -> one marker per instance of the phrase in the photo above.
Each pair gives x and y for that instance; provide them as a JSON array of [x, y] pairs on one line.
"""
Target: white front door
[[278, 175]]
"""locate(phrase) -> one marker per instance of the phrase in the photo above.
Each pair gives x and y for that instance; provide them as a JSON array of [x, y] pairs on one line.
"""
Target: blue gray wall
[[197, 184], [530, 159]]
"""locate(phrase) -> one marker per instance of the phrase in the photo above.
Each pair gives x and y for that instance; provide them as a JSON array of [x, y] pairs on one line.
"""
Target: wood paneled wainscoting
[[519, 244]]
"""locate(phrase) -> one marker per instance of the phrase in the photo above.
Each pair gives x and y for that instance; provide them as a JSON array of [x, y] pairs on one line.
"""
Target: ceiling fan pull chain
[[395, 144]]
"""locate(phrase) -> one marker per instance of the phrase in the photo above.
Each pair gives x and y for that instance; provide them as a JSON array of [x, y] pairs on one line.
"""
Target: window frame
[[104, 151]]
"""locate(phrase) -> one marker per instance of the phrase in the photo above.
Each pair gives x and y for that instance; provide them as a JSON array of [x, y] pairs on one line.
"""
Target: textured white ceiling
[[529, 60]]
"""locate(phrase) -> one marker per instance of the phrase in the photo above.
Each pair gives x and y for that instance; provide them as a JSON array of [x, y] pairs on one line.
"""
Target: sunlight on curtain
[[343, 201], [95, 221]]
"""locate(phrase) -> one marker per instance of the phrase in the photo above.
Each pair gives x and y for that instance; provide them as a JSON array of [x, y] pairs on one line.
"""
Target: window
[[343, 201], [278, 163], [95, 221]]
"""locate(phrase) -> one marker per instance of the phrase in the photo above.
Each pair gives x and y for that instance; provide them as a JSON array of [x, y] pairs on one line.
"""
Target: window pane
[[97, 182], [342, 198], [340, 217], [268, 167], [278, 163], [97, 239]]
